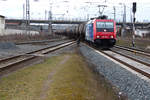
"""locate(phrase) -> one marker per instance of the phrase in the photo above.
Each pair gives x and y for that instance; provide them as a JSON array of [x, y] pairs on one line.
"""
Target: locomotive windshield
[[105, 26]]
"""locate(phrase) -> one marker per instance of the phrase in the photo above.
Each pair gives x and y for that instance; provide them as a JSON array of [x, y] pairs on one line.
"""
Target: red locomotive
[[101, 32]]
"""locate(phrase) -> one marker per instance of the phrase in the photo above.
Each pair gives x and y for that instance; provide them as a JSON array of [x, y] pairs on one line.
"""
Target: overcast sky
[[69, 9]]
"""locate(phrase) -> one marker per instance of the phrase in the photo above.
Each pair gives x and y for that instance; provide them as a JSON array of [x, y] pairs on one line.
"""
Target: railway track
[[12, 61], [130, 62], [137, 51], [136, 65]]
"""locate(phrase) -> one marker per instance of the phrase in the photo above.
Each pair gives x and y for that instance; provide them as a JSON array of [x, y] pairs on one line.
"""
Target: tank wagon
[[73, 32]]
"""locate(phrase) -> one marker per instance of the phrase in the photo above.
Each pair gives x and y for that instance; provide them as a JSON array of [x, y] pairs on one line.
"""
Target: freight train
[[101, 32]]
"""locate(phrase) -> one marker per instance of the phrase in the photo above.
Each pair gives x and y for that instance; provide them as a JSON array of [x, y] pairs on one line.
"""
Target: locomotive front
[[104, 32]]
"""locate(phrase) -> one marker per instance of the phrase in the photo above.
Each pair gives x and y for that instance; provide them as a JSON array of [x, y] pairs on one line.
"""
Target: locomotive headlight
[[111, 37], [98, 36]]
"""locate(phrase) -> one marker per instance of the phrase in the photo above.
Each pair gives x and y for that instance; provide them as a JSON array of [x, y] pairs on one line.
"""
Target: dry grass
[[70, 80], [26, 84], [75, 81], [140, 43]]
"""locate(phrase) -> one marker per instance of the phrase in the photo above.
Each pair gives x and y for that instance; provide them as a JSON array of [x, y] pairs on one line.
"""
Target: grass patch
[[71, 80], [75, 81], [139, 43], [26, 84]]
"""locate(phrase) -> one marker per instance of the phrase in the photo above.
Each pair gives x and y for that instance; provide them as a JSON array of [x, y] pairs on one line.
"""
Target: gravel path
[[128, 83], [47, 83]]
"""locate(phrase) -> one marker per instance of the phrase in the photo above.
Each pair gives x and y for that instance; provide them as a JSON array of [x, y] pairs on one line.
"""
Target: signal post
[[133, 35]]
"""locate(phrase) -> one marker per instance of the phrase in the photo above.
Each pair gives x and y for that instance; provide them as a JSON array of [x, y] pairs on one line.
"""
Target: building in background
[[2, 24]]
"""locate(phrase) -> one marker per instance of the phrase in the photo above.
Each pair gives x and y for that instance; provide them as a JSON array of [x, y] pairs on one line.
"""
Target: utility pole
[[45, 14], [123, 19], [50, 19], [23, 11], [114, 13], [27, 15], [124, 15], [23, 17], [131, 16], [87, 17]]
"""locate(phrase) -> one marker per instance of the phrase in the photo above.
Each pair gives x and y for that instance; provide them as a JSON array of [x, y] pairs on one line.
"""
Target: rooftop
[[2, 16]]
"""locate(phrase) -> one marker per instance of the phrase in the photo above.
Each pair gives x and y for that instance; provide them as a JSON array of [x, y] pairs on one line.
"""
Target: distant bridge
[[20, 21], [137, 24]]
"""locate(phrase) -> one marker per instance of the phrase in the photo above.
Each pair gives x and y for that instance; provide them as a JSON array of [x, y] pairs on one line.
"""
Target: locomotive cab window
[[102, 26]]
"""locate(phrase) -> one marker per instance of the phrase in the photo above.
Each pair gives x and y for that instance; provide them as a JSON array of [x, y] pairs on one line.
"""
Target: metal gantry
[[101, 11]]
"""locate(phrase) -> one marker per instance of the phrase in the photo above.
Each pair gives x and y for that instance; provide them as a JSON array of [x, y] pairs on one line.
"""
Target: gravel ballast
[[7, 45], [128, 83]]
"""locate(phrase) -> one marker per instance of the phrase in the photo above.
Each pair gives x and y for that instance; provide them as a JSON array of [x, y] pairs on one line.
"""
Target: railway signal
[[134, 7], [134, 11]]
